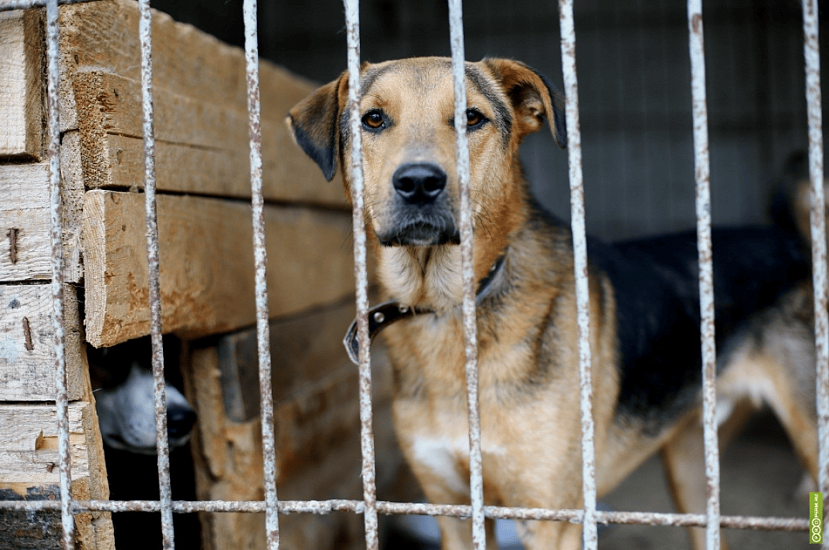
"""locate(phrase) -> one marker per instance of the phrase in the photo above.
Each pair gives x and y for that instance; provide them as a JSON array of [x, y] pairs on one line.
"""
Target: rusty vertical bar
[[58, 304], [811, 50], [476, 483], [261, 259], [568, 64], [706, 273], [352, 24], [162, 446]]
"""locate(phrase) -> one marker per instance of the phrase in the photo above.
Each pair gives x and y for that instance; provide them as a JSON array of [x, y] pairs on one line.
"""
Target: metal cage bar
[[578, 228], [162, 446], [469, 315], [58, 303], [261, 283], [759, 523], [26, 4], [811, 52], [352, 19], [706, 273]]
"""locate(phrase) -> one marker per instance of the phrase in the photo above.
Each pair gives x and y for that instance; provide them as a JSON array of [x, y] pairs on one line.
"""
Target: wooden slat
[[201, 110], [186, 61], [28, 432], [29, 469], [207, 268], [27, 362], [25, 242], [202, 147], [21, 115], [29, 443], [304, 349], [318, 453]]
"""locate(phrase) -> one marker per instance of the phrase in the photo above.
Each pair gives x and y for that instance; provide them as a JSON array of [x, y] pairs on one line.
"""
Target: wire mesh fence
[[369, 506]]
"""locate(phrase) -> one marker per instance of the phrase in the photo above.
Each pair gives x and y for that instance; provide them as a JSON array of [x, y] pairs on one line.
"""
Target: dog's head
[[409, 147], [125, 401]]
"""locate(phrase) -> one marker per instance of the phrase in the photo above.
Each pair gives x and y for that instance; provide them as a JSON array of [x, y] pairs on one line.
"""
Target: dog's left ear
[[314, 124], [533, 97]]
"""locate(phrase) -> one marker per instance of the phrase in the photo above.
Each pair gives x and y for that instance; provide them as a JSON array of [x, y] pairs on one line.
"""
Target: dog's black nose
[[419, 183], [180, 421]]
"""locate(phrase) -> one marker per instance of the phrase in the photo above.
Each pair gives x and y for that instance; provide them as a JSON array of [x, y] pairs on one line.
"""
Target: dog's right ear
[[533, 97], [314, 124]]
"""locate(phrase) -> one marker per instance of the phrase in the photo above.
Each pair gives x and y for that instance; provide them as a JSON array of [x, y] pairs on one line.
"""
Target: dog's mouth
[[422, 233], [116, 441]]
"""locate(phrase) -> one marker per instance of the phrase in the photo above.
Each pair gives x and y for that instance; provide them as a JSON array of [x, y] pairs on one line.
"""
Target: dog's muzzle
[[419, 184], [421, 213]]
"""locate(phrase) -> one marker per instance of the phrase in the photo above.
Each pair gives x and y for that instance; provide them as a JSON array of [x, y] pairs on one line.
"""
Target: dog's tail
[[791, 202]]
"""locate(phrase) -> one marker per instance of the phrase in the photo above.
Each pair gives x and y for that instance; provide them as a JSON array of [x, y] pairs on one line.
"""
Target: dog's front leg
[[683, 457], [456, 534], [445, 485], [538, 535]]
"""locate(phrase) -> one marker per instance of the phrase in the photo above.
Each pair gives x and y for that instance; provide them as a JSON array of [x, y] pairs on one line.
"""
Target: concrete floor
[[759, 474]]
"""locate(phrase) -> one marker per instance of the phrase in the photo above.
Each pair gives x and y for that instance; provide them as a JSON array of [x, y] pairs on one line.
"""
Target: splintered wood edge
[[94, 247]]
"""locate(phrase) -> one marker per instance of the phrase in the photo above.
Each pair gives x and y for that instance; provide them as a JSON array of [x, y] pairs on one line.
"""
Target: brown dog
[[643, 305]]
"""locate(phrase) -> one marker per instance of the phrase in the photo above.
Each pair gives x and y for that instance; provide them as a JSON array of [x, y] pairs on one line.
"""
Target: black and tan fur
[[643, 305]]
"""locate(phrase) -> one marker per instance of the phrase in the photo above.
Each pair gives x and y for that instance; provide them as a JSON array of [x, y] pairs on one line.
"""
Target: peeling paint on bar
[[568, 64], [405, 508], [811, 50], [8, 5], [476, 483], [58, 303], [706, 277], [352, 25], [162, 446], [261, 285]]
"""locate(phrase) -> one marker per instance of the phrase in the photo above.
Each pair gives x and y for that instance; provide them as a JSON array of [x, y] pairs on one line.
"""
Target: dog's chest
[[438, 446], [429, 359]]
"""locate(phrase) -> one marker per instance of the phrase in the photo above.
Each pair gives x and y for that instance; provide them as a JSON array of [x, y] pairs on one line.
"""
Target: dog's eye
[[474, 119], [374, 120]]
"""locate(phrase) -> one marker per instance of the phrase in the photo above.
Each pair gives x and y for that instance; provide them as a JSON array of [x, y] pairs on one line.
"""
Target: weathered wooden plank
[[207, 154], [21, 115], [26, 250], [29, 470], [201, 109], [207, 268], [318, 451], [186, 61], [29, 443], [317, 410], [304, 348], [27, 344]]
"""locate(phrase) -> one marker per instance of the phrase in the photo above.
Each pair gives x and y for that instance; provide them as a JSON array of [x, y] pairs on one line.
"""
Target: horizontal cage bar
[[761, 523]]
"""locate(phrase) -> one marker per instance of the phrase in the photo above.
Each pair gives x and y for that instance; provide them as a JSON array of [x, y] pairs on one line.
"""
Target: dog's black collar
[[387, 313], [486, 282]]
